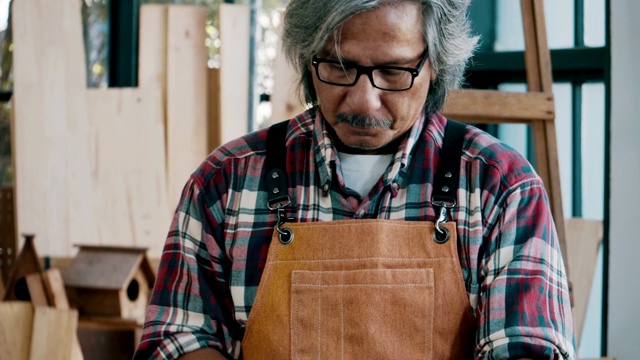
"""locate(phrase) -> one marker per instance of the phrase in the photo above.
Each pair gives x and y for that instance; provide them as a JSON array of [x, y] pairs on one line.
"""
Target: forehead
[[388, 32]]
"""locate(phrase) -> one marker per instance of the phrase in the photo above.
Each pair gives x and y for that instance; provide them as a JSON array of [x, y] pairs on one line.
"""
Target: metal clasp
[[441, 235], [285, 235]]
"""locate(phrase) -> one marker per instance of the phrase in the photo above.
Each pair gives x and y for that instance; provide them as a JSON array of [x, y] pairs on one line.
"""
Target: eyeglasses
[[390, 78]]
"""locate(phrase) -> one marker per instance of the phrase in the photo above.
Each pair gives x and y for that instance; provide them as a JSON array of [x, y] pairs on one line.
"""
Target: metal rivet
[[448, 174], [445, 188], [276, 190], [274, 175]]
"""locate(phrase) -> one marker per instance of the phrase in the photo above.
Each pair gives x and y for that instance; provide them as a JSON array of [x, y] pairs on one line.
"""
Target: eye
[[391, 73]]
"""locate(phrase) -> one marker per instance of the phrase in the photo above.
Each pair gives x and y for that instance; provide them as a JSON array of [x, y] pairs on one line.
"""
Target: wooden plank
[[55, 287], [214, 92], [531, 57], [130, 198], [53, 187], [37, 293], [186, 95], [234, 27], [544, 56], [152, 52], [583, 243], [286, 100], [15, 330], [54, 331], [490, 106]]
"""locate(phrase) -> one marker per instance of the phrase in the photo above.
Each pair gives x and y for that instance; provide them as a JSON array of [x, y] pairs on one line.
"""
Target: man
[[397, 235]]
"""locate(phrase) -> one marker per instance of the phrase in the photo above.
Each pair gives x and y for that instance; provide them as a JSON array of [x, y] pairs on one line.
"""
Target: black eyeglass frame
[[368, 70]]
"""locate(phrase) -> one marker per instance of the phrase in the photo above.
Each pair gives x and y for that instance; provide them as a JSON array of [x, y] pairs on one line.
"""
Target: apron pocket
[[362, 314]]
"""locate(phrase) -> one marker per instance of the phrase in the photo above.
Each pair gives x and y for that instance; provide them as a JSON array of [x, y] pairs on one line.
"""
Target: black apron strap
[[447, 178], [275, 163]]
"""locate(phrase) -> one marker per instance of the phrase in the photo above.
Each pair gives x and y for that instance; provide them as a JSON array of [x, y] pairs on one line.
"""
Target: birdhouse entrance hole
[[133, 290]]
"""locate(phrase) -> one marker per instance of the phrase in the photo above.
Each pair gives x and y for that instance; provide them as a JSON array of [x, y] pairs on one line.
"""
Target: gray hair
[[309, 24]]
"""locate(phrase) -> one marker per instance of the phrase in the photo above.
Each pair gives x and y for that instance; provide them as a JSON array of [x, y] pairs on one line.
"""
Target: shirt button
[[361, 214], [395, 186], [325, 188]]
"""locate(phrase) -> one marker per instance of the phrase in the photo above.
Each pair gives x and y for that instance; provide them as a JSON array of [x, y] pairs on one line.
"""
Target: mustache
[[364, 121]]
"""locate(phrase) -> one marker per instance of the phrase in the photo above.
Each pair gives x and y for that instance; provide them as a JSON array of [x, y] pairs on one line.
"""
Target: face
[[363, 116]]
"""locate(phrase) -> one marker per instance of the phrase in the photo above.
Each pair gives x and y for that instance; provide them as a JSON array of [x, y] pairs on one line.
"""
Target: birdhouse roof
[[107, 268]]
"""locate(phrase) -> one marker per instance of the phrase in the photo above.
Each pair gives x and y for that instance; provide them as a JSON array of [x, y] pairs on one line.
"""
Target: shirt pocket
[[362, 314]]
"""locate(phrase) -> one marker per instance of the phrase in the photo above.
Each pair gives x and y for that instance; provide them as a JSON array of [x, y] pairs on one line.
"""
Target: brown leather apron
[[361, 289]]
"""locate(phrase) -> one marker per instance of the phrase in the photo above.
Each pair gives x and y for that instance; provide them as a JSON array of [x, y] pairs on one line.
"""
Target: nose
[[362, 97]]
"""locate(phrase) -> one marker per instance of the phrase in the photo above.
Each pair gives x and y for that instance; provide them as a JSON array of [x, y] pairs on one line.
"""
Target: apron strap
[[445, 186], [275, 163], [447, 178]]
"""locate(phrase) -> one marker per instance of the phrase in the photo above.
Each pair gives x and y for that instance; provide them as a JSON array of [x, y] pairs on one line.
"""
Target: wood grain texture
[[54, 285], [52, 180], [37, 292], [152, 51], [583, 242], [491, 107], [128, 168], [214, 121], [16, 328], [286, 100], [54, 331], [187, 136], [234, 27]]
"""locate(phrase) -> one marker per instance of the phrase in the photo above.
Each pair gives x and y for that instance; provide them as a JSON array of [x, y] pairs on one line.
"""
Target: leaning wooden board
[[52, 179], [234, 70], [16, 326], [128, 168], [187, 135], [54, 333]]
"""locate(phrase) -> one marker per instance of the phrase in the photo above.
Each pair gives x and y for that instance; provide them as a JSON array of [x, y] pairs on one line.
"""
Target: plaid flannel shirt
[[217, 245]]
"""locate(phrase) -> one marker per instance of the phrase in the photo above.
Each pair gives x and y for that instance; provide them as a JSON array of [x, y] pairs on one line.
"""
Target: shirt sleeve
[[191, 306], [523, 309]]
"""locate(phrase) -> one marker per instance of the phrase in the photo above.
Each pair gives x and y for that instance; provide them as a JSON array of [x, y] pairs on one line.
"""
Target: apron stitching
[[368, 285], [360, 259], [294, 344], [420, 271], [319, 319], [342, 316]]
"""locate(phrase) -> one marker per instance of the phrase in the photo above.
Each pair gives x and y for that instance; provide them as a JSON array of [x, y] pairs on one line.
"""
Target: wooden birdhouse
[[24, 278], [110, 282]]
